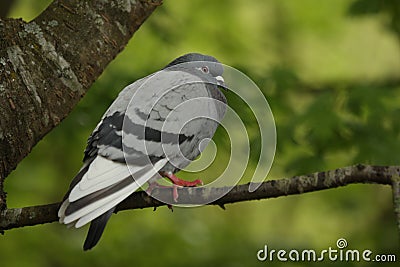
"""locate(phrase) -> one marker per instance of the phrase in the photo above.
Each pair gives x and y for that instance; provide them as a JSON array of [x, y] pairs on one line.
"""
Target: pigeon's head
[[206, 67]]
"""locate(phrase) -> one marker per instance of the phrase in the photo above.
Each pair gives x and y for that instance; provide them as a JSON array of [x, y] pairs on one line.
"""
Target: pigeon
[[152, 130]]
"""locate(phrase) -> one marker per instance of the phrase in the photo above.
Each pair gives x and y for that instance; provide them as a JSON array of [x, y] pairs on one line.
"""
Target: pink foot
[[179, 182]]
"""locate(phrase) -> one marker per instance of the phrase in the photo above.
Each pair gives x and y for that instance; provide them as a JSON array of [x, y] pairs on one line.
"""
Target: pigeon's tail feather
[[96, 229], [102, 186]]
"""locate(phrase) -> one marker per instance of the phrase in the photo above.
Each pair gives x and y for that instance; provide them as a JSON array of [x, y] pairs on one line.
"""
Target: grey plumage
[[155, 125]]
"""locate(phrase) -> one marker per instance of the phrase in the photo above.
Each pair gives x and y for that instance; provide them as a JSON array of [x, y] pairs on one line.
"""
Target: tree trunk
[[48, 64]]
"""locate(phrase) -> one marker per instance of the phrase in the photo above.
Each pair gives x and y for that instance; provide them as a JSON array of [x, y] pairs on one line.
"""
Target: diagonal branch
[[20, 217]]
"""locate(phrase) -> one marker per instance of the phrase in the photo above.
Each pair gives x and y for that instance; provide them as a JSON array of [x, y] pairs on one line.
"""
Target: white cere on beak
[[220, 79]]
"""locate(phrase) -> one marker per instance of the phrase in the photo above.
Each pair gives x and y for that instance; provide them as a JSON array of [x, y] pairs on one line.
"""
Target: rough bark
[[48, 64], [385, 175]]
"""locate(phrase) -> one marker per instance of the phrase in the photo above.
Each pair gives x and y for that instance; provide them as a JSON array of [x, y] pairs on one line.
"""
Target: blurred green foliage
[[331, 73]]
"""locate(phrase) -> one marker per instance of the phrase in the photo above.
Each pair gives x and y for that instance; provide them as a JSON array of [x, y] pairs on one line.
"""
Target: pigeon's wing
[[123, 152], [105, 179], [106, 139], [133, 127]]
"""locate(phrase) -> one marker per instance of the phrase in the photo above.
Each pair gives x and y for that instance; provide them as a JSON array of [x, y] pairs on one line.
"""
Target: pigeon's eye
[[205, 69]]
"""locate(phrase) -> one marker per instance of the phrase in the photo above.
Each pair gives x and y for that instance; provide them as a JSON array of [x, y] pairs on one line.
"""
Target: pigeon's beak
[[221, 82]]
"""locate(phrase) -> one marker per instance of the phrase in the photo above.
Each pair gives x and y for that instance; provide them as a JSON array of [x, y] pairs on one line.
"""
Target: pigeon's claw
[[177, 182]]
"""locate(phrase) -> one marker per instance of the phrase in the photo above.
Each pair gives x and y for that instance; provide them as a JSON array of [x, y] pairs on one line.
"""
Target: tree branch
[[385, 175], [48, 64]]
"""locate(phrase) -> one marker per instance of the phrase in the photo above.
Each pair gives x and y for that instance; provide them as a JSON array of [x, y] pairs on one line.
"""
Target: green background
[[331, 73]]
